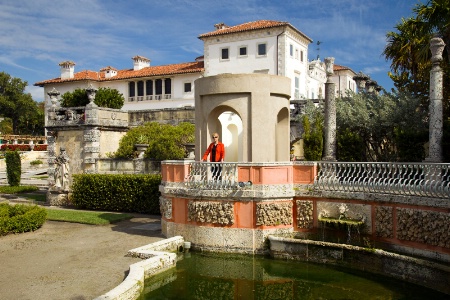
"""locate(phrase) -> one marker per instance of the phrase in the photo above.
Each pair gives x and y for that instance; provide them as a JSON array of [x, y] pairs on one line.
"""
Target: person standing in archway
[[216, 150]]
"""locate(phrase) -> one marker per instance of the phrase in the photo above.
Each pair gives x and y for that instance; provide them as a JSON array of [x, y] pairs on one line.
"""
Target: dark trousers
[[216, 170]]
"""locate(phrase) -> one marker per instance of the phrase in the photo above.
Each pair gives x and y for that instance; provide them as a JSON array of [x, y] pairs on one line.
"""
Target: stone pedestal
[[58, 197]]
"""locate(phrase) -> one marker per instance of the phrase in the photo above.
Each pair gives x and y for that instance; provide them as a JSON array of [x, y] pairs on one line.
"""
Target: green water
[[216, 276]]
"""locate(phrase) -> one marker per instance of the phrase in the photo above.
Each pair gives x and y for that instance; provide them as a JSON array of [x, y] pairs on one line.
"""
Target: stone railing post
[[51, 152], [436, 97], [330, 114]]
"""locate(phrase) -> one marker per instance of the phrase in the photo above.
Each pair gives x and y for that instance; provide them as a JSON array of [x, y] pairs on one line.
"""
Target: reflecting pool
[[223, 276]]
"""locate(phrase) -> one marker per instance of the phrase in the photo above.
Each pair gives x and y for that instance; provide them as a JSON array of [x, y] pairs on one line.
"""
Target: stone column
[[329, 146], [436, 97], [91, 135]]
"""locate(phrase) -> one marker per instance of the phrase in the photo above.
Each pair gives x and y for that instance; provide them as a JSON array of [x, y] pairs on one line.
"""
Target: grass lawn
[[86, 217]]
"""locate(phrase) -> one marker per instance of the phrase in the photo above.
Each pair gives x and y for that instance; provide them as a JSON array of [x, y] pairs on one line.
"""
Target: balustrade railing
[[413, 179], [207, 175]]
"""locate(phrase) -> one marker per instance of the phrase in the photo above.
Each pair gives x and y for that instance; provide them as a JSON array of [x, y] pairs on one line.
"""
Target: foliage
[[26, 115], [312, 122], [125, 193], [379, 121], [105, 97], [18, 189], [13, 167], [86, 217], [409, 50], [165, 141], [6, 126], [20, 218], [446, 141], [36, 162]]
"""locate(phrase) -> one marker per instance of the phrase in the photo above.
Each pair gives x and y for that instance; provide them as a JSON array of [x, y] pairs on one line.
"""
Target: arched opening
[[282, 135]]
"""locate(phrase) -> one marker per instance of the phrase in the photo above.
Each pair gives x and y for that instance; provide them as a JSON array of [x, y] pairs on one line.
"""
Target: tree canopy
[[19, 108]]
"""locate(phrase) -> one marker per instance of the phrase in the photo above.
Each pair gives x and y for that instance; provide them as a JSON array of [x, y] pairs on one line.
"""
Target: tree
[[408, 48], [19, 107], [105, 97], [13, 167], [165, 141], [313, 122], [376, 127]]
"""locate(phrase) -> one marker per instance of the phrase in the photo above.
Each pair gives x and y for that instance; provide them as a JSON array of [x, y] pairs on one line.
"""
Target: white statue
[[62, 170]]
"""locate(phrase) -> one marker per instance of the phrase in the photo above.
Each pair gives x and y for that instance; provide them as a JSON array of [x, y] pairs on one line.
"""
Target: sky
[[36, 35]]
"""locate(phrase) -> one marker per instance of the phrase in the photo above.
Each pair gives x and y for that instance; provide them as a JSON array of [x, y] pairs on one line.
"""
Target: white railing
[[140, 98], [412, 179], [207, 175], [130, 99], [168, 96], [149, 97], [157, 97]]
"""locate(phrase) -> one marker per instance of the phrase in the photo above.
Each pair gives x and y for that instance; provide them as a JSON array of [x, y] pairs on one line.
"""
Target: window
[[296, 53], [158, 87], [187, 87], [149, 87], [243, 51], [262, 49], [131, 89], [301, 55], [140, 88], [291, 50], [225, 53], [168, 86], [297, 87]]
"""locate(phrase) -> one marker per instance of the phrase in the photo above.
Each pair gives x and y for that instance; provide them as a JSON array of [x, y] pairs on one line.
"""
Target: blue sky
[[36, 35]]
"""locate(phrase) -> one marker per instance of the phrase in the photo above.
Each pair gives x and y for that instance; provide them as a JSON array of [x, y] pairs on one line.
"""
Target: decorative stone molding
[[305, 216], [273, 214], [92, 135], [221, 213], [91, 149], [165, 206], [383, 222], [428, 227]]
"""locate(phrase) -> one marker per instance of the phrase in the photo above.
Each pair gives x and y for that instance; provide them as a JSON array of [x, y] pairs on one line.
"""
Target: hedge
[[23, 147], [20, 218], [13, 167], [124, 193]]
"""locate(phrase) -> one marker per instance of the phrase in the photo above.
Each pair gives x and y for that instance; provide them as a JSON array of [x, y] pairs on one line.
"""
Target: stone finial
[[329, 65], [437, 46], [91, 91]]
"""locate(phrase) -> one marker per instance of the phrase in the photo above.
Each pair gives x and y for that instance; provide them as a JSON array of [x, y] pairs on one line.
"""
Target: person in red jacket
[[216, 150]]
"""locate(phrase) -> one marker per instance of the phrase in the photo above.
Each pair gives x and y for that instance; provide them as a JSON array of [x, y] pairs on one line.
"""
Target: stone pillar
[[51, 152], [436, 97], [91, 137], [329, 146], [53, 94]]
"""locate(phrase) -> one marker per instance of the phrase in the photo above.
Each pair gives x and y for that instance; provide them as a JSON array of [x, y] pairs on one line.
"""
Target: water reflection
[[223, 276]]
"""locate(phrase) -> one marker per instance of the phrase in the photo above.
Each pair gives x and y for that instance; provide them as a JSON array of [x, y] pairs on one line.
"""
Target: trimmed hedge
[[13, 167], [124, 193], [20, 218]]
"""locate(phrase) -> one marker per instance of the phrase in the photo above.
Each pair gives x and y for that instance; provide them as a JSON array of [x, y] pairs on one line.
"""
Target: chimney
[[67, 69], [221, 26], [140, 62], [109, 71]]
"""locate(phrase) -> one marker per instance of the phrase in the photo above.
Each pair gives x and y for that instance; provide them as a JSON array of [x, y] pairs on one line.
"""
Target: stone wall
[[172, 116]]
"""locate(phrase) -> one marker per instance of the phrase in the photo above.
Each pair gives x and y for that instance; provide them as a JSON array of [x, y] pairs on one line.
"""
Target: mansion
[[268, 47]]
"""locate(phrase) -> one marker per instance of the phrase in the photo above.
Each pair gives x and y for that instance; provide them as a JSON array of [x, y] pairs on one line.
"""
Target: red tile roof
[[255, 25], [341, 68], [182, 68]]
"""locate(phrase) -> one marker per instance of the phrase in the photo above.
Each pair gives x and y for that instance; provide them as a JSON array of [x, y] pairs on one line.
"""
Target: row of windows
[[154, 87], [242, 50], [295, 54]]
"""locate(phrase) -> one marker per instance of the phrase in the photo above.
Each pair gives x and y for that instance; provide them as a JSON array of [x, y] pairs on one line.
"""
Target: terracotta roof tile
[[255, 25], [182, 68], [341, 68]]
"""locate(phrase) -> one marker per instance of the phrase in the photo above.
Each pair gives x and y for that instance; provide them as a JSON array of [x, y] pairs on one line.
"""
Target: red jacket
[[220, 152]]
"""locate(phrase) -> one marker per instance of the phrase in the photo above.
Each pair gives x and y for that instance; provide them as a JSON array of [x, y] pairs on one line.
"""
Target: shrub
[[20, 218], [13, 167], [165, 141], [36, 162], [124, 193], [18, 189], [313, 138], [40, 147], [105, 97], [16, 147]]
